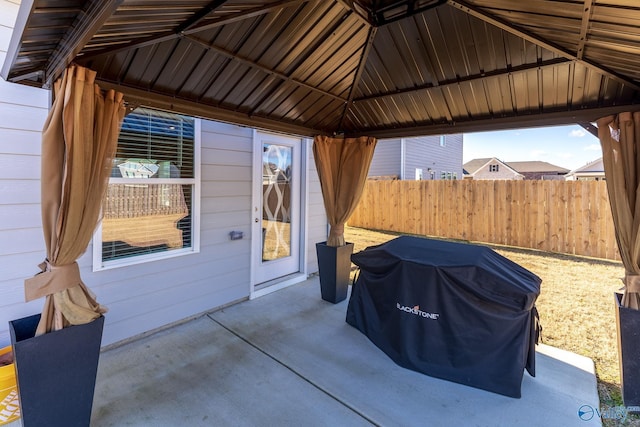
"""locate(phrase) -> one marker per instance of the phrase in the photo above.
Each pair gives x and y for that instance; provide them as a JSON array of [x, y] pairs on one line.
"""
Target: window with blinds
[[148, 211]]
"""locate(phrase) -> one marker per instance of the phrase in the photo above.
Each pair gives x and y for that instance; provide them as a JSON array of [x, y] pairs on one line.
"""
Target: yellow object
[[9, 406]]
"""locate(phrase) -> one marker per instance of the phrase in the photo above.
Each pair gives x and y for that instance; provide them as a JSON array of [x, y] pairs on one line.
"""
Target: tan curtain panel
[[79, 140], [620, 139], [343, 165]]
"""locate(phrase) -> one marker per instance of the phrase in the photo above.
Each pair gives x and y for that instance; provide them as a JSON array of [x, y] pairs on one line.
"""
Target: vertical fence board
[[569, 237], [443, 209], [581, 192], [486, 219], [600, 228], [404, 206], [462, 210], [511, 214], [386, 206], [416, 205], [539, 236], [523, 217], [500, 225], [428, 204], [548, 218], [448, 209], [517, 207], [587, 192], [398, 209], [440, 209], [532, 209], [471, 211], [590, 240]]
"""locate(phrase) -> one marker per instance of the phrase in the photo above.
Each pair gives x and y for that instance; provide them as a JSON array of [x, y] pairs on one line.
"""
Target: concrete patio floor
[[289, 359]]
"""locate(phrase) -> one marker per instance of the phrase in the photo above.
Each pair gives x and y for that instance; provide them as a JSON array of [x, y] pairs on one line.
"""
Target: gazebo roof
[[384, 68]]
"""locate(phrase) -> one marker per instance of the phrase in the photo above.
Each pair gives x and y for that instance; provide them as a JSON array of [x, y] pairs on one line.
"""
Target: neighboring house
[[212, 181], [493, 168], [490, 168], [425, 157], [536, 169], [592, 171]]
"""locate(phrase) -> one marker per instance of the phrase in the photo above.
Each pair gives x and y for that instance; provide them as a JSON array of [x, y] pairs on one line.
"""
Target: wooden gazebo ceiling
[[359, 67]]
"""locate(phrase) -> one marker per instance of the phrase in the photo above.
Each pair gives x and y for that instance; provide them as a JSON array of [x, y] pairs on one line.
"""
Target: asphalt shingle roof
[[520, 167]]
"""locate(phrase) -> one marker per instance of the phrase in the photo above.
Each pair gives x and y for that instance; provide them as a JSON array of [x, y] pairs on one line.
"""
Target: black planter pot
[[334, 264], [56, 372], [628, 326]]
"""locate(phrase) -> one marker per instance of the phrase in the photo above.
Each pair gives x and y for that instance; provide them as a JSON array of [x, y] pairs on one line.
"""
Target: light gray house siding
[[401, 157], [387, 158], [316, 216], [426, 153], [146, 296]]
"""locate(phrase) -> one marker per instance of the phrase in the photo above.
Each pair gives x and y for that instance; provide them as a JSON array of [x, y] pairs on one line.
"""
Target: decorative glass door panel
[[276, 201]]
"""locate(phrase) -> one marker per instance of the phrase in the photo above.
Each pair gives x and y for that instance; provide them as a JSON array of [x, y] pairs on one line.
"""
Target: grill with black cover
[[455, 311]]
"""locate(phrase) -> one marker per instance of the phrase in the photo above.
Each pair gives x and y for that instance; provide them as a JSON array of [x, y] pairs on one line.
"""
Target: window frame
[[195, 182]]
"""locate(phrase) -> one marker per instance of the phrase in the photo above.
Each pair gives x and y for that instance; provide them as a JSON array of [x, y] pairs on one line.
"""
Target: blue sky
[[567, 146]]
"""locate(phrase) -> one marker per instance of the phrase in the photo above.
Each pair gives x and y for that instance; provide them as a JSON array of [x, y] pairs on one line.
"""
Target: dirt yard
[[576, 306]]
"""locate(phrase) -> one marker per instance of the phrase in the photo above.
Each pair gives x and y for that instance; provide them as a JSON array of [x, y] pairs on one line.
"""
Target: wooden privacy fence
[[571, 217]]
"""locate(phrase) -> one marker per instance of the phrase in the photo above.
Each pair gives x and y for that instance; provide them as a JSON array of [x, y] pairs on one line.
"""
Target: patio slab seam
[[291, 369]]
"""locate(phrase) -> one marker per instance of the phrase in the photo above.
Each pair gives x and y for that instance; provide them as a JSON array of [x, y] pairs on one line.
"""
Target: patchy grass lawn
[[576, 306]]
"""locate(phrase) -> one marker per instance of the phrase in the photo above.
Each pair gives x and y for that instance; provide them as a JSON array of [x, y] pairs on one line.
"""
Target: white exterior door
[[276, 211]]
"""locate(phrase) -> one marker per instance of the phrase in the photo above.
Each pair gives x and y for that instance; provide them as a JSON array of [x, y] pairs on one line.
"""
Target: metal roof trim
[[24, 13]]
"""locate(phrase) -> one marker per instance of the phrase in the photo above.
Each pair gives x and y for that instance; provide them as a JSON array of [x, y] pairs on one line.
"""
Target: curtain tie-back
[[51, 279], [337, 229], [632, 283]]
